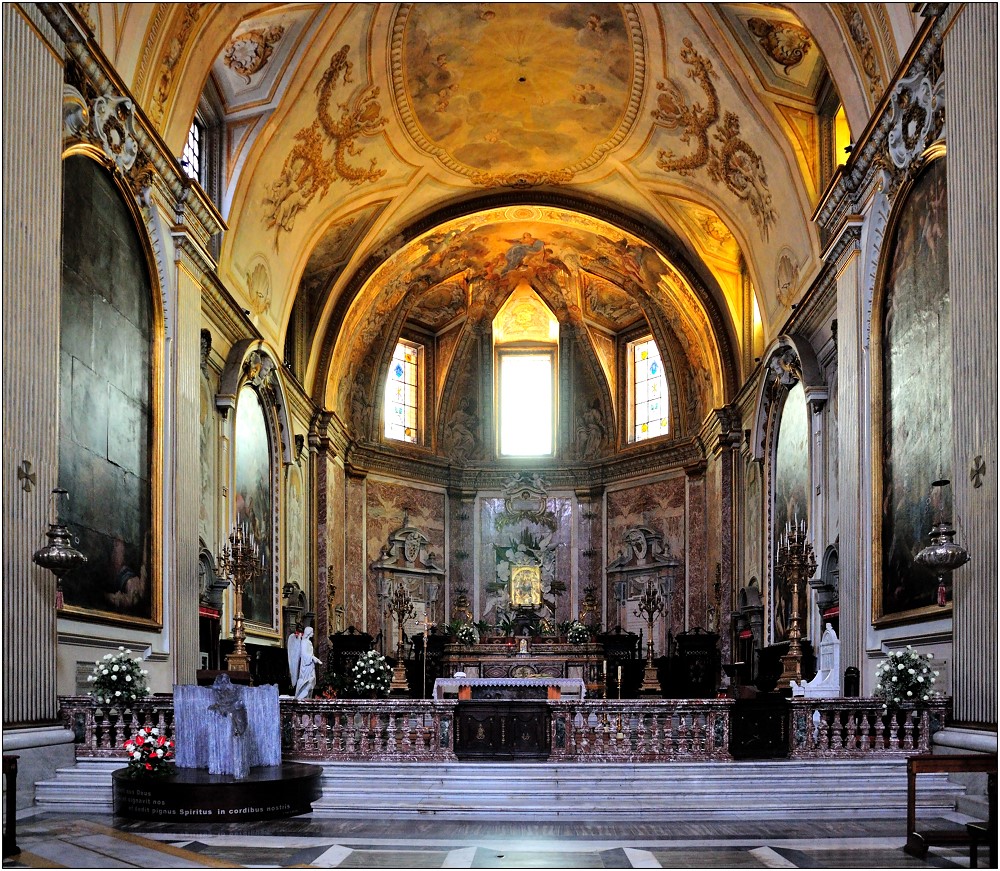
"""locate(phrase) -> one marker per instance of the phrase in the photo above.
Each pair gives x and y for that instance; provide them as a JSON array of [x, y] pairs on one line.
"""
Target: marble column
[[329, 554], [970, 53]]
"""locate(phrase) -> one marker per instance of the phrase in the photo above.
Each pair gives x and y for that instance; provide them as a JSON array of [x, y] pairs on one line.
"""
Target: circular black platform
[[192, 794]]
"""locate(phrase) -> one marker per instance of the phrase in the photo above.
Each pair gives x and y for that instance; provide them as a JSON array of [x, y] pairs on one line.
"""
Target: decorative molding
[[249, 52], [858, 29], [176, 45], [250, 362], [733, 163], [785, 43], [112, 123]]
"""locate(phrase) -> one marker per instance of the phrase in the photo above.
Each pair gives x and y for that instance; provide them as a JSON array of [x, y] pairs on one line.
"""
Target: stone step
[[637, 791], [621, 792]]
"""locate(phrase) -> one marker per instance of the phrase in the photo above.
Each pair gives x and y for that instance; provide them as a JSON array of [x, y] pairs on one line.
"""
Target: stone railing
[[640, 730], [416, 730], [592, 730], [101, 731], [854, 727]]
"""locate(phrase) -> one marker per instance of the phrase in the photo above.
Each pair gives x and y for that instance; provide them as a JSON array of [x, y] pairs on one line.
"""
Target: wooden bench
[[963, 763]]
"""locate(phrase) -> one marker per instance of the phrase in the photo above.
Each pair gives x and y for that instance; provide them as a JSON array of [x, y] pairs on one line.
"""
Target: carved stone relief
[[785, 43], [249, 52]]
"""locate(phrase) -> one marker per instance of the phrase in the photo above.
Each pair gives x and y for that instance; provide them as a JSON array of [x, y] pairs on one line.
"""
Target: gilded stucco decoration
[[248, 52], [785, 43], [307, 172], [259, 288], [851, 13], [517, 94], [733, 162], [171, 58], [112, 120]]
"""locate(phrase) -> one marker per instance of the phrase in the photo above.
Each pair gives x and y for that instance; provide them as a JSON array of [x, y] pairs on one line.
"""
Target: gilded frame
[[880, 615], [525, 586], [157, 428]]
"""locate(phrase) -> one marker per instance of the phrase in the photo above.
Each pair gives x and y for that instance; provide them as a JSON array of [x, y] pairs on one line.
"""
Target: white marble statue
[[302, 664]]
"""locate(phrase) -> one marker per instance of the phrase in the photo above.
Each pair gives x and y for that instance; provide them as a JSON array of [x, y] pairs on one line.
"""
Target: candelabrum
[[399, 604], [58, 556], [240, 561], [794, 565], [650, 607]]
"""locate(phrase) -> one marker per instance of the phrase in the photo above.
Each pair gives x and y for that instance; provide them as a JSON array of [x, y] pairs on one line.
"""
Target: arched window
[[648, 405], [403, 391], [526, 346]]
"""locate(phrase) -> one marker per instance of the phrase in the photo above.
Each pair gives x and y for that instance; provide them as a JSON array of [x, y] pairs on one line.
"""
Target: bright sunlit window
[[402, 393], [191, 158], [648, 391], [526, 404]]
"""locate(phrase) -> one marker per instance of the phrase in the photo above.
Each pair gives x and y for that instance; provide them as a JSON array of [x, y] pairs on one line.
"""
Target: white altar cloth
[[569, 687]]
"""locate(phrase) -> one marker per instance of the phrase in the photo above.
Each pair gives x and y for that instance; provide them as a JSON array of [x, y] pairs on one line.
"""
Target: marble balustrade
[[842, 728], [589, 730]]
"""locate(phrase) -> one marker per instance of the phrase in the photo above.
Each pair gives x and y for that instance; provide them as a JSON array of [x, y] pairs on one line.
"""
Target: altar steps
[[624, 791]]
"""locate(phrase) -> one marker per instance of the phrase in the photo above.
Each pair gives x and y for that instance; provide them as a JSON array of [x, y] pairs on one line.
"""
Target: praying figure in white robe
[[302, 664]]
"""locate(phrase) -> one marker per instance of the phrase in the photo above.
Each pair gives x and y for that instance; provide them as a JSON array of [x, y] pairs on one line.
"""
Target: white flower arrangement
[[905, 676], [577, 633], [467, 634], [118, 679], [371, 675]]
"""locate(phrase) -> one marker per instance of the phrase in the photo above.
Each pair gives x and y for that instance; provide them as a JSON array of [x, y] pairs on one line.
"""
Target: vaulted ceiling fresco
[[375, 158]]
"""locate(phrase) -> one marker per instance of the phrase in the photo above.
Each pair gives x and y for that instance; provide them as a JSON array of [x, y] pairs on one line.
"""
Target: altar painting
[[791, 501], [916, 437], [254, 501]]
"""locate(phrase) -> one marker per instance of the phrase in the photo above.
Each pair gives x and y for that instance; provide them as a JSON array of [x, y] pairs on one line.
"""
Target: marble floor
[[49, 840]]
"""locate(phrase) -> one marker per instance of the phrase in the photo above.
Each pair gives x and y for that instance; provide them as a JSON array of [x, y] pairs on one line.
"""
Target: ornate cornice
[[864, 171], [120, 123]]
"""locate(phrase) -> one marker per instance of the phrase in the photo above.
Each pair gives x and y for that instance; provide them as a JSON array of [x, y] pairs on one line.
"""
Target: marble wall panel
[[355, 568], [660, 505]]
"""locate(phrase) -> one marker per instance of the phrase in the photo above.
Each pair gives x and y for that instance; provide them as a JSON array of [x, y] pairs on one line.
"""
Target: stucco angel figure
[[302, 663]]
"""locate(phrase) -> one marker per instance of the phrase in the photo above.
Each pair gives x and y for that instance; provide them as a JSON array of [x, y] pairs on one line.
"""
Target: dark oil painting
[[106, 322], [916, 398]]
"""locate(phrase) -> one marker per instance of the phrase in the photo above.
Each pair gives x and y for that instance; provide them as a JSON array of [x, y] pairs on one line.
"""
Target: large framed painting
[[109, 348], [255, 504], [913, 429], [791, 502]]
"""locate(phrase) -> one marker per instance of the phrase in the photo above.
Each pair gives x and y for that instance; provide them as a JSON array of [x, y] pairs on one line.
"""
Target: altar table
[[509, 687]]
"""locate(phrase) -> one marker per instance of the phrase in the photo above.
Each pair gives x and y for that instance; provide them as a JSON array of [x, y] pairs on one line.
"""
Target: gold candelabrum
[[650, 607], [240, 561], [795, 564], [399, 604]]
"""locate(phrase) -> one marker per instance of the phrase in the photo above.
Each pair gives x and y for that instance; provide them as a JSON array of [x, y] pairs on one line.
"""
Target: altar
[[526, 658], [509, 689]]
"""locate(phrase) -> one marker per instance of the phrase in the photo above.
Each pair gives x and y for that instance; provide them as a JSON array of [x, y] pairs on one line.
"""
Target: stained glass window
[[650, 407], [402, 393]]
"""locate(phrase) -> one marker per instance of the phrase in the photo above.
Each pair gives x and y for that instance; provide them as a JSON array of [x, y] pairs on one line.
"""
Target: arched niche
[[251, 398], [792, 388]]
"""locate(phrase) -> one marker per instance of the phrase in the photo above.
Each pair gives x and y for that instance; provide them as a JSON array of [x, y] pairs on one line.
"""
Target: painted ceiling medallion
[[785, 43], [247, 53], [517, 94]]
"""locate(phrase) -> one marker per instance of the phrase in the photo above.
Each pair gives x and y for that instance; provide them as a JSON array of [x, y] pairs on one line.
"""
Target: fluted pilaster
[[970, 54], [32, 145]]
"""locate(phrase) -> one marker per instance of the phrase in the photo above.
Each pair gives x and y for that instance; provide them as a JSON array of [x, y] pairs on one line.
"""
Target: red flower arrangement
[[150, 754]]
